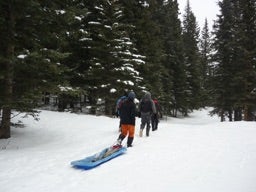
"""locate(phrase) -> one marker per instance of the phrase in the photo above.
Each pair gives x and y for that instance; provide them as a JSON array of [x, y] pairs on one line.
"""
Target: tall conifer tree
[[147, 38], [173, 78], [113, 57], [247, 23], [236, 66], [30, 54], [191, 59], [207, 67], [223, 45]]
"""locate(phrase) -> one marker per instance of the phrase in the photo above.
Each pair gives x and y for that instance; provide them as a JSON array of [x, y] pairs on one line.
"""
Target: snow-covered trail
[[195, 154]]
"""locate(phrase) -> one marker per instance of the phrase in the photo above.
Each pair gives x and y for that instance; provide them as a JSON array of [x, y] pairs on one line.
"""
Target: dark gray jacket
[[147, 105]]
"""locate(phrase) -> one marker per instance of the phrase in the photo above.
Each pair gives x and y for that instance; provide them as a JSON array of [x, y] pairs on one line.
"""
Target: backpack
[[119, 103], [156, 104], [145, 106], [158, 109]]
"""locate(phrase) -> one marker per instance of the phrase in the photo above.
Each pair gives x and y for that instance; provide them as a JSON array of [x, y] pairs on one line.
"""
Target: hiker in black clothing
[[155, 117], [127, 117], [146, 109], [118, 106]]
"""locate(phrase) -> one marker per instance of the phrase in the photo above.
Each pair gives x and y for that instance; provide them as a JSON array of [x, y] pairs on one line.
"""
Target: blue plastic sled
[[97, 159]]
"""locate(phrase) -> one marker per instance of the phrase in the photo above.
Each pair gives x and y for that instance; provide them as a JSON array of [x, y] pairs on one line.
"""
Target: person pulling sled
[[127, 114], [118, 106]]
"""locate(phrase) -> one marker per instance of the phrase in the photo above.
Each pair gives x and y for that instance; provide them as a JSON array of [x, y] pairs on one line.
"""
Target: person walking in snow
[[146, 109], [155, 117], [119, 104], [127, 114]]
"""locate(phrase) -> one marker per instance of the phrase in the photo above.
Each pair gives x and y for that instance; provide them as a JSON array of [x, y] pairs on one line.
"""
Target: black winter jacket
[[128, 112]]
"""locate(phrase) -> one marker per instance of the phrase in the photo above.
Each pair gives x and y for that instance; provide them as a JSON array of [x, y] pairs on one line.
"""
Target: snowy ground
[[195, 154]]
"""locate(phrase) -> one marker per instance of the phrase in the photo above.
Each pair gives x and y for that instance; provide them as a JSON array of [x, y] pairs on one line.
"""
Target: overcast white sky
[[202, 9]]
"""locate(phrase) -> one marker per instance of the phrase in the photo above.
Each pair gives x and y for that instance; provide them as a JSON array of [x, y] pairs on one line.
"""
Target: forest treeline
[[90, 51]]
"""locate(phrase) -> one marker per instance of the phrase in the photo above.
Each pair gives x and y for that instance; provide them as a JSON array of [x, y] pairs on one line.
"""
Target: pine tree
[[112, 60], [30, 54], [207, 67], [174, 77], [223, 45], [191, 59], [235, 76], [7, 65], [143, 15], [248, 30]]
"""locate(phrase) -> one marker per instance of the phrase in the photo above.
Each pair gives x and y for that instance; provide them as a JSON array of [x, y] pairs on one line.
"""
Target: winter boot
[[120, 139], [147, 131], [141, 132], [153, 126], [119, 142], [129, 141], [120, 127]]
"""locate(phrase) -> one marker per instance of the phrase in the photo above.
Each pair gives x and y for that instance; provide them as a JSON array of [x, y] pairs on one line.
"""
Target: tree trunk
[[5, 130], [222, 116], [238, 114], [246, 113], [230, 115], [8, 77]]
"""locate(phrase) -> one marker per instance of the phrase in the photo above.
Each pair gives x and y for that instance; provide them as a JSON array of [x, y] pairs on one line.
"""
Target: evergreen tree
[[143, 15], [223, 46], [235, 76], [76, 64], [192, 61], [30, 54], [173, 79], [112, 57], [247, 23], [207, 67]]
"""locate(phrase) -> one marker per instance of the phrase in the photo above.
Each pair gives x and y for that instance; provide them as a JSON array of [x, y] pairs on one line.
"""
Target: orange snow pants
[[128, 129]]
